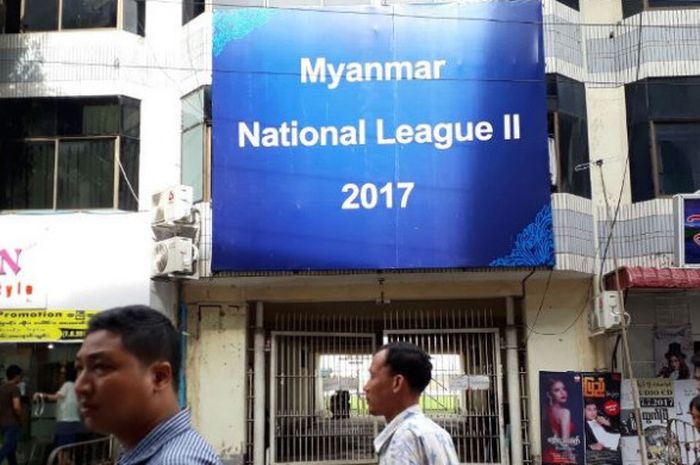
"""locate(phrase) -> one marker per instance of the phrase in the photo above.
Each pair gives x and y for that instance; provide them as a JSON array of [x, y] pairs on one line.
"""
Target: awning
[[641, 277]]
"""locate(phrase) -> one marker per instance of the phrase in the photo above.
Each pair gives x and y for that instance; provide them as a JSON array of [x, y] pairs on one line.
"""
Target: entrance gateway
[[318, 360]]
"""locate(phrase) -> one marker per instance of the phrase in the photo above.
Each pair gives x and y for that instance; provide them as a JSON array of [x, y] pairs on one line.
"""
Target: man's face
[[113, 387], [591, 412], [696, 417], [379, 388]]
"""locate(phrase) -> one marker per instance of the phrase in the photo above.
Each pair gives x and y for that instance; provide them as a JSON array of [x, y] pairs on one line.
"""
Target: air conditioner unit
[[173, 256], [606, 312], [173, 205]]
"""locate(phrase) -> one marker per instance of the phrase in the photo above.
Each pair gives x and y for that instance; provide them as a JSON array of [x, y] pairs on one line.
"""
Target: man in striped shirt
[[127, 385]]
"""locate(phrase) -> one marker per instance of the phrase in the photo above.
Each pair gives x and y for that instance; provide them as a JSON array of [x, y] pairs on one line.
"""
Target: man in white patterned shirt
[[399, 373]]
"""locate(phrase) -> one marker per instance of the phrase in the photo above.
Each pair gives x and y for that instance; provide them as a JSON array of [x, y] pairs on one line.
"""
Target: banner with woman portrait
[[673, 347], [561, 418], [601, 418]]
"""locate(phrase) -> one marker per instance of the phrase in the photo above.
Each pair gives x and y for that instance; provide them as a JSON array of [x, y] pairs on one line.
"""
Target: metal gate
[[318, 411], [317, 408]]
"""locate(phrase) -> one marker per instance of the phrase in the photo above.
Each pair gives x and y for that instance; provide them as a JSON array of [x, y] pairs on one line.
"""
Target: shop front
[[55, 272]]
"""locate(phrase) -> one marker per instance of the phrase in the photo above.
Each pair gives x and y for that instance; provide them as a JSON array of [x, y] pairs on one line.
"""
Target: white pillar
[[259, 387], [513, 379]]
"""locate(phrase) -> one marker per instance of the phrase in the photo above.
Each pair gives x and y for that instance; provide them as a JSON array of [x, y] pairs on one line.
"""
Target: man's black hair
[[410, 361], [146, 333], [12, 372], [695, 403]]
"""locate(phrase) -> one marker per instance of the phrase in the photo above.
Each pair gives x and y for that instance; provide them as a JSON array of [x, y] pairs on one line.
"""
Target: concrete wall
[[216, 376], [558, 338]]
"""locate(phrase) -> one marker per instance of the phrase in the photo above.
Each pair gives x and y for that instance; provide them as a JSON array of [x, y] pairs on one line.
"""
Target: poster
[[601, 412], [44, 325], [685, 433], [561, 398], [673, 346], [657, 406]]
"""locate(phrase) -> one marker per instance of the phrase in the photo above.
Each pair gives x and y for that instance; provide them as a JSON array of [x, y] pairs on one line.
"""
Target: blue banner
[[408, 136]]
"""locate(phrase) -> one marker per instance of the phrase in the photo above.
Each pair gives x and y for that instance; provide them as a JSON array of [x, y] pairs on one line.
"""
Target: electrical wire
[[539, 310], [337, 9], [586, 305]]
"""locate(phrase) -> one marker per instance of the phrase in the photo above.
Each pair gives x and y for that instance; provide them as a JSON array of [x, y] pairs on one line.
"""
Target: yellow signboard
[[44, 325]]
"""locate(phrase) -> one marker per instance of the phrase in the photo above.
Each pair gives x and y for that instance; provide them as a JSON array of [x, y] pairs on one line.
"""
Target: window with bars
[[58, 15], [66, 153]]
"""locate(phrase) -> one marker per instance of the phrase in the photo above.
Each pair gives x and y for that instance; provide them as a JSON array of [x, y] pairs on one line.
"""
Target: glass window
[[196, 124], [573, 151], [40, 15], [54, 153], [53, 15], [86, 117], [26, 175], [78, 14], [663, 115], [570, 3], [568, 131], [85, 174], [678, 155], [131, 121], [191, 9], [674, 3], [129, 174], [193, 109], [9, 16], [193, 160], [135, 16], [632, 7]]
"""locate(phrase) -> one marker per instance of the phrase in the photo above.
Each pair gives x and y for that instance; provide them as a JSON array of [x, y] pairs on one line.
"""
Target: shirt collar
[[164, 432], [383, 439]]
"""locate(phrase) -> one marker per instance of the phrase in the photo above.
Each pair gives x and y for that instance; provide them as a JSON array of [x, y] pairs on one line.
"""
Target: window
[[570, 3], [196, 147], [568, 135], [191, 9], [56, 15], [663, 117], [632, 7], [69, 153]]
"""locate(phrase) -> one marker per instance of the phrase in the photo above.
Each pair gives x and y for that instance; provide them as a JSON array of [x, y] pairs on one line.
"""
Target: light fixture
[[382, 299]]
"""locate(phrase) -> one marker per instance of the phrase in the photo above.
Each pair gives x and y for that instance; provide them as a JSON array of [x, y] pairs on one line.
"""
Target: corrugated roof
[[654, 278]]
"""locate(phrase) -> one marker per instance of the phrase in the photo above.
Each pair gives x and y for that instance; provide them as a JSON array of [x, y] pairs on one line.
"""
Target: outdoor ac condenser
[[175, 255], [606, 312], [172, 205]]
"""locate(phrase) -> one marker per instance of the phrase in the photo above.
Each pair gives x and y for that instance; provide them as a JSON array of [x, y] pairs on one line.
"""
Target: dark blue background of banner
[[280, 208]]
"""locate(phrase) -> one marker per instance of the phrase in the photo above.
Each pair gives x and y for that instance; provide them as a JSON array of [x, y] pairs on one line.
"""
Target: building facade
[[105, 105]]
